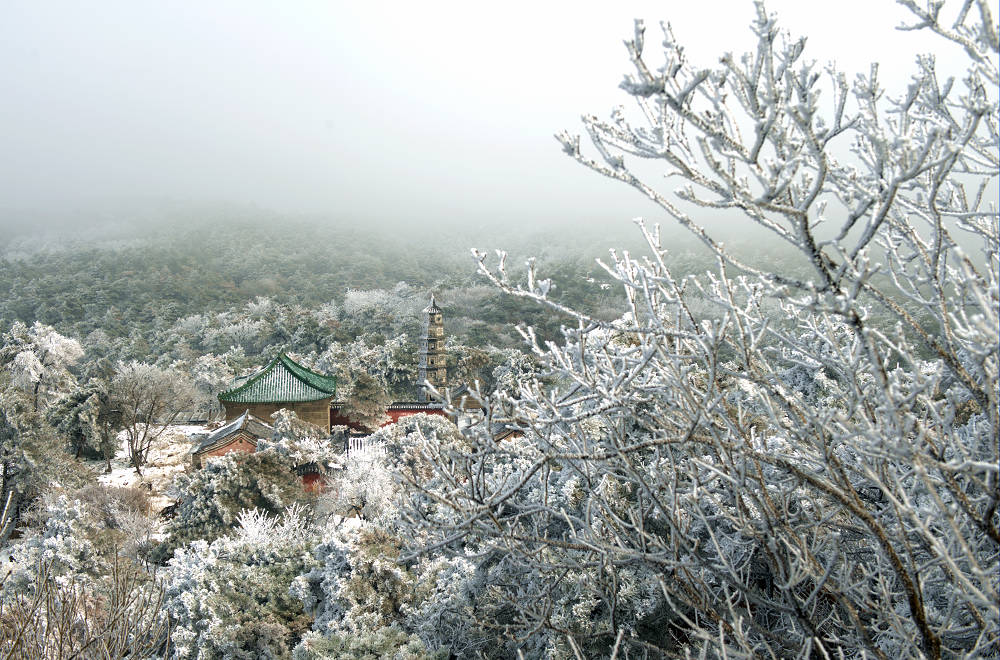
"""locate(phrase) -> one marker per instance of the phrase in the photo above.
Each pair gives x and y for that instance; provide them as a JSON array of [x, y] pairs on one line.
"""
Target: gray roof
[[499, 430], [415, 405], [245, 422]]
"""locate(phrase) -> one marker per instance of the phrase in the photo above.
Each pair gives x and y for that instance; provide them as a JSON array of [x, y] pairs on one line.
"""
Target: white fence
[[360, 447]]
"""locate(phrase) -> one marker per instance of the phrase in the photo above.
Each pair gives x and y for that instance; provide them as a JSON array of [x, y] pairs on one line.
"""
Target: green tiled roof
[[282, 381]]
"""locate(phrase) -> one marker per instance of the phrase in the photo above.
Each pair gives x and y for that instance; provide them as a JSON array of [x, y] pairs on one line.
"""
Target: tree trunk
[[10, 509], [136, 455]]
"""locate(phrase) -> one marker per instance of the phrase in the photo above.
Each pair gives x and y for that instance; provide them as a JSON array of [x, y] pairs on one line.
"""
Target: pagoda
[[431, 367]]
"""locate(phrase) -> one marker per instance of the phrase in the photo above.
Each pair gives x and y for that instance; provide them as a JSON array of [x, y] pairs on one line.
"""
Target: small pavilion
[[240, 434]]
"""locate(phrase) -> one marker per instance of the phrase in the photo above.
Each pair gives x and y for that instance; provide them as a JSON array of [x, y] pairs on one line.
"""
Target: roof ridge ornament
[[432, 308]]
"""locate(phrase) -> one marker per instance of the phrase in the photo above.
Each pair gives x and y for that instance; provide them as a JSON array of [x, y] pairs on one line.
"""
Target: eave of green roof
[[283, 380], [319, 381]]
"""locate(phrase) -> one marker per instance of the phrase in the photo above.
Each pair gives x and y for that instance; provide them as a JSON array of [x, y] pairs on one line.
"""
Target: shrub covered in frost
[[211, 499], [230, 598], [383, 644]]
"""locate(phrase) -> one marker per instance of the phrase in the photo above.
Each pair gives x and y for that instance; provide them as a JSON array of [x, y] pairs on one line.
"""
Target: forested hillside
[[141, 282], [153, 293]]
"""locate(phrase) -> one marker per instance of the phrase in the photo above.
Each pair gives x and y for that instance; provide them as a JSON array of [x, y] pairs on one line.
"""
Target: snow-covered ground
[[168, 456]]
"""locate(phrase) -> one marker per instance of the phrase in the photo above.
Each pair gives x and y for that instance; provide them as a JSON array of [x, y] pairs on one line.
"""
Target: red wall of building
[[313, 482], [395, 414], [336, 419], [241, 443]]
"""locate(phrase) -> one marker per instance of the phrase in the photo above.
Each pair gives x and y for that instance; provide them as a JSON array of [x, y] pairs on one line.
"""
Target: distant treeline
[[129, 290], [124, 291]]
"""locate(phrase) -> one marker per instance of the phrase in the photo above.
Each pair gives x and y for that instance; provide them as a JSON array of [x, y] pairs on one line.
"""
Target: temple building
[[241, 434], [283, 384]]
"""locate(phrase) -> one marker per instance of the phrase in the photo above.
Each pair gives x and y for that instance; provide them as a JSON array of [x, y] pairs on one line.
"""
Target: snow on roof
[[245, 422], [432, 308]]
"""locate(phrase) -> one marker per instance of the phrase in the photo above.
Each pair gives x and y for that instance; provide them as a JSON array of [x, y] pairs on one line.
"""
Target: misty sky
[[372, 112]]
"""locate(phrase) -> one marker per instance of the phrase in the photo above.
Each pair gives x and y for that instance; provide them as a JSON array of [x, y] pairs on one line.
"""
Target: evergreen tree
[[367, 402], [88, 420]]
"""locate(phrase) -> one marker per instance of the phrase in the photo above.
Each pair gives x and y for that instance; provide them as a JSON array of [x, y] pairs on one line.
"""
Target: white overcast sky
[[370, 112]]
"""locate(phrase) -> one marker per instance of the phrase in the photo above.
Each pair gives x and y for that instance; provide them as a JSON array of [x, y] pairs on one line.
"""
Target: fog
[[380, 114]]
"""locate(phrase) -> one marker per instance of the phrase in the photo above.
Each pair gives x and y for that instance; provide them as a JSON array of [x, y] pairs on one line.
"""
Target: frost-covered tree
[[366, 484], [231, 598], [363, 598], [39, 360], [69, 586], [63, 544], [64, 618], [513, 368], [211, 499], [384, 643], [89, 420], [366, 403], [388, 312], [79, 536], [808, 465], [391, 362], [211, 375], [148, 399], [466, 364], [360, 597], [33, 458], [287, 426], [476, 596], [242, 332], [364, 487]]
